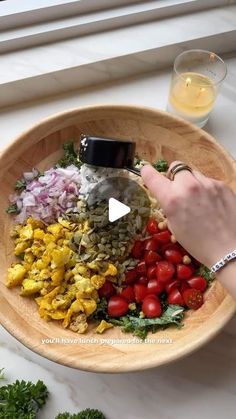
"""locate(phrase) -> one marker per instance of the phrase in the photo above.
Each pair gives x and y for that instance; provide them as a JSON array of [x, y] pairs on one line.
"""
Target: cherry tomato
[[151, 307], [141, 268], [140, 292], [184, 272], [163, 237], [183, 286], [151, 244], [193, 298], [175, 298], [195, 262], [152, 226], [170, 246], [117, 306], [165, 271], [151, 272], [128, 294], [137, 249], [198, 282], [130, 277], [107, 290], [143, 280], [151, 257], [154, 286], [173, 256], [172, 286]]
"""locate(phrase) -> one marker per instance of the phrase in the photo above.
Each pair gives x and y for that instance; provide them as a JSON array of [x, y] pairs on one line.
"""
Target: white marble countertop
[[201, 385]]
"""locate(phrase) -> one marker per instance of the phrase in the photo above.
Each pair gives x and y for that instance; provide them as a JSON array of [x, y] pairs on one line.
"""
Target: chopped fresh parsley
[[70, 156], [140, 327], [161, 165], [20, 184], [101, 311], [132, 323], [12, 209]]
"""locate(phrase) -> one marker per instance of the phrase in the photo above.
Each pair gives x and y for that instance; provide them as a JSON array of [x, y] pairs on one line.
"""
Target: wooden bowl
[[157, 134]]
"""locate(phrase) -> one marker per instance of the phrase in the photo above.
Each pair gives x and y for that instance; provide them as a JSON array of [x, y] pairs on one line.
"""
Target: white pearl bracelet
[[222, 262]]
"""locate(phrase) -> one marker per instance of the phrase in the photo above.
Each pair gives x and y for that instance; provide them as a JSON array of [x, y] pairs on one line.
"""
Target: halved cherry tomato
[[117, 306], [141, 268], [128, 294], [172, 286], [175, 298], [154, 286], [137, 249], [140, 292], [193, 298], [142, 280], [151, 307], [163, 237], [198, 282], [173, 256], [130, 276], [151, 257], [184, 272], [165, 271], [107, 290], [152, 226], [151, 272], [150, 244]]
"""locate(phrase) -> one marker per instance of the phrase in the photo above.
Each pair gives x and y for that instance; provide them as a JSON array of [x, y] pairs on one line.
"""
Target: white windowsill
[[95, 58]]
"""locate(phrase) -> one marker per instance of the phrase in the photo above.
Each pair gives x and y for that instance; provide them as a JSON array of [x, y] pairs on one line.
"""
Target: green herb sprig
[[22, 400], [84, 414], [70, 156]]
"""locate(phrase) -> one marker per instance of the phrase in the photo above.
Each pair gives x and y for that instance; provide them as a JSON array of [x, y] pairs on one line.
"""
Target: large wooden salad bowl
[[157, 134]]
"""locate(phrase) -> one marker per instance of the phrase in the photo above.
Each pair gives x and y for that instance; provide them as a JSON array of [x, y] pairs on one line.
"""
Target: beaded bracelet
[[222, 262]]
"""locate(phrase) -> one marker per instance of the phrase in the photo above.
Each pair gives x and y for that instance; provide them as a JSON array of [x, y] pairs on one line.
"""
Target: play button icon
[[117, 210]]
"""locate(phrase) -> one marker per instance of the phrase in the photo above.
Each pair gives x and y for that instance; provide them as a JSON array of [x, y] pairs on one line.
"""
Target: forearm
[[227, 277]]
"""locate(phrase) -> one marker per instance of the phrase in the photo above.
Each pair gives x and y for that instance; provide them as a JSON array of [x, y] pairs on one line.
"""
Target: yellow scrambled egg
[[64, 288]]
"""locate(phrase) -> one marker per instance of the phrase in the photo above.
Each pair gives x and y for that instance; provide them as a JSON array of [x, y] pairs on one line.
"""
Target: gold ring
[[178, 168]]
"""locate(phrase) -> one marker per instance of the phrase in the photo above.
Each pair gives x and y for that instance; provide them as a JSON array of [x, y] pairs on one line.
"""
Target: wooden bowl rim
[[226, 309]]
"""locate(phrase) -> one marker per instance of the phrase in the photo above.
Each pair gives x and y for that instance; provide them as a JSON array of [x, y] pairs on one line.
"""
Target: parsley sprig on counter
[[85, 414], [23, 400]]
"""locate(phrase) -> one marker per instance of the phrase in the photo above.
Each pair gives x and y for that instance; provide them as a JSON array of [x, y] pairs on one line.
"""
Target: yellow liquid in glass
[[192, 94]]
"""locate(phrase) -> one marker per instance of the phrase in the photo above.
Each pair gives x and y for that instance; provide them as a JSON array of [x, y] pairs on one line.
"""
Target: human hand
[[200, 211]]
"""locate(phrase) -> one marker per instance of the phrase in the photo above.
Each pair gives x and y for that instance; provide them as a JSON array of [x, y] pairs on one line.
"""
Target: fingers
[[158, 184], [183, 177]]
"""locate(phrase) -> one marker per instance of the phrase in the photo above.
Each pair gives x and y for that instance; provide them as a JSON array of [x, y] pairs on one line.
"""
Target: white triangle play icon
[[117, 210]]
